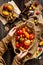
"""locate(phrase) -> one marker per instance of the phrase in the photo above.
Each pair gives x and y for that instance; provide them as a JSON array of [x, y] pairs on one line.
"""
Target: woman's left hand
[[12, 31]]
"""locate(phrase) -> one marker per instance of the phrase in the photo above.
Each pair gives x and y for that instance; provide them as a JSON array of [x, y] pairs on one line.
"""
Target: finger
[[24, 54], [25, 51], [20, 54], [13, 28], [13, 31]]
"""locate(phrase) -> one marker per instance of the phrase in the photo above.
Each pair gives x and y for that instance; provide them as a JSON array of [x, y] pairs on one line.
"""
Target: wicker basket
[[30, 25]]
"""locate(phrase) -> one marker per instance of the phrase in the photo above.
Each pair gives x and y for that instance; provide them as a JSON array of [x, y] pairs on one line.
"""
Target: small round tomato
[[23, 35], [37, 12], [17, 37], [28, 30], [21, 39], [17, 45], [21, 44], [40, 49], [36, 4], [4, 7], [25, 46], [31, 36], [19, 32]]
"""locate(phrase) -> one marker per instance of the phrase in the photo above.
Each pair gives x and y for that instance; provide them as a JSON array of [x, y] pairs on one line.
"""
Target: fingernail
[[14, 27]]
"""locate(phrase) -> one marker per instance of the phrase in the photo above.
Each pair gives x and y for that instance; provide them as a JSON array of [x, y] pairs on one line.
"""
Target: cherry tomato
[[36, 4], [31, 36], [17, 37], [4, 7], [17, 46], [21, 39], [19, 32], [23, 35], [37, 12], [40, 49], [25, 46], [21, 44], [28, 30]]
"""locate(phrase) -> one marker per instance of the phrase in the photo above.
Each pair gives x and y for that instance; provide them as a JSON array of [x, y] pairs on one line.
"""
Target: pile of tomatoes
[[24, 38]]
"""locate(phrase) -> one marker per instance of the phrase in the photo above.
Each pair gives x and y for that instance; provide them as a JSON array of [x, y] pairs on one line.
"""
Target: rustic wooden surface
[[8, 56]]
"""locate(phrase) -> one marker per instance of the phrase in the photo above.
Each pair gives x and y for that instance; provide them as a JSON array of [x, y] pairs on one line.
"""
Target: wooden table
[[8, 56]]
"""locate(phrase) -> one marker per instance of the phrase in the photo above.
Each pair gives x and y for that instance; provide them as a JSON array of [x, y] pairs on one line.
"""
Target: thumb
[[20, 54]]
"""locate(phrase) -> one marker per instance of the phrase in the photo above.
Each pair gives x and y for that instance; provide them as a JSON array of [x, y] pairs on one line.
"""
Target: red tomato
[[31, 36], [28, 30], [40, 49], [21, 44], [36, 4], [4, 7], [17, 45], [23, 35], [25, 46], [19, 32], [17, 37], [37, 12]]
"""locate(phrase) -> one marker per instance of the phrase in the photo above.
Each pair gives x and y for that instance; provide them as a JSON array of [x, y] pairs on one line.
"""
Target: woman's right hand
[[22, 54]]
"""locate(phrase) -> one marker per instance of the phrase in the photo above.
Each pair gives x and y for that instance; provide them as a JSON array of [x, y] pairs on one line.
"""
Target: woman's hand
[[12, 31], [22, 54]]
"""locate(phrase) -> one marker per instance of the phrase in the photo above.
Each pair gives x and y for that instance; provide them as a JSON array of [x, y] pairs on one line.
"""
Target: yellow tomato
[[26, 33], [6, 13], [41, 43], [30, 8], [10, 7], [34, 7], [22, 48], [27, 42]]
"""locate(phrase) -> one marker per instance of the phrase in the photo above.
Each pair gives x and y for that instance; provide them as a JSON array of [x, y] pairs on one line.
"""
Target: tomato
[[4, 7], [17, 37], [40, 49], [22, 48], [23, 35], [36, 4], [28, 30], [17, 46], [31, 36], [25, 46], [27, 42], [21, 39], [21, 44], [19, 32], [37, 12], [41, 43]]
